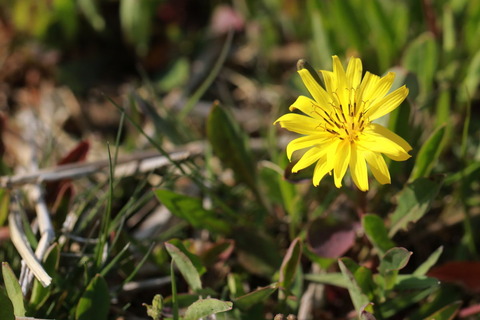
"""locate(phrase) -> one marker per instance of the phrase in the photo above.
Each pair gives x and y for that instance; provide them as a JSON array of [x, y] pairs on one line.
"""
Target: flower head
[[337, 125]]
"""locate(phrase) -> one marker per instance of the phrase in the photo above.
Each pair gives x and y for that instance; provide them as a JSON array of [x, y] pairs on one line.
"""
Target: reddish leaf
[[464, 273], [217, 252], [77, 154], [57, 189], [330, 239]]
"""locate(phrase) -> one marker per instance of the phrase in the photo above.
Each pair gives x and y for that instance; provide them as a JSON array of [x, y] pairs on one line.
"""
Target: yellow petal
[[299, 123], [325, 164], [378, 167], [367, 88], [342, 88], [307, 159], [315, 89], [354, 72], [358, 169], [342, 158], [377, 128], [387, 104], [307, 141], [309, 107], [328, 78], [321, 169], [384, 85], [375, 142]]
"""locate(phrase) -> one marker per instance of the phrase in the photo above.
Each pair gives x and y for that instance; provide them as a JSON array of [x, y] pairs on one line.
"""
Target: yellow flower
[[338, 128]]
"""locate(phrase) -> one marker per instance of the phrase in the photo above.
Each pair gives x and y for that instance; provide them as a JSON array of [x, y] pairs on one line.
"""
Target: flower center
[[345, 122]]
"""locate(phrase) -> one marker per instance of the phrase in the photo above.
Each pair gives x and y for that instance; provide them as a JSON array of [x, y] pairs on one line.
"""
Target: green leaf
[[335, 279], [192, 257], [394, 259], [414, 60], [175, 76], [191, 209], [14, 291], [430, 262], [91, 12], [414, 201], [205, 307], [250, 299], [6, 307], [40, 294], [290, 263], [229, 144], [185, 266], [446, 313], [393, 306], [472, 79], [377, 233], [359, 299], [95, 301], [136, 21], [414, 282], [428, 154]]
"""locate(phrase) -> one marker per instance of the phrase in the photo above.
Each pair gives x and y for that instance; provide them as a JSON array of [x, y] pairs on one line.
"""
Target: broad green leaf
[[413, 202], [414, 282], [191, 209], [430, 262], [290, 263], [392, 307], [252, 298], [359, 299], [362, 275], [185, 266], [229, 144], [446, 313], [154, 310], [14, 291], [377, 233], [334, 279], [414, 60], [95, 301], [394, 259], [428, 154], [40, 294], [205, 307], [6, 307], [192, 257]]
